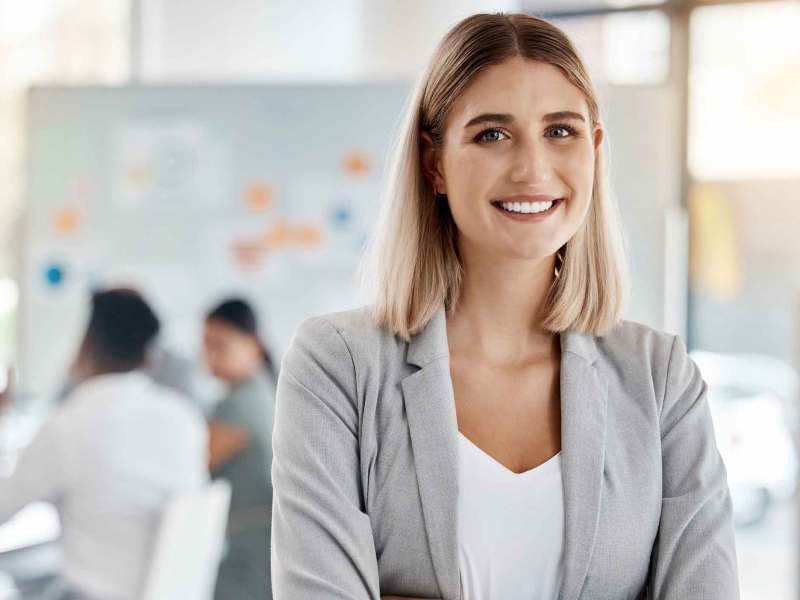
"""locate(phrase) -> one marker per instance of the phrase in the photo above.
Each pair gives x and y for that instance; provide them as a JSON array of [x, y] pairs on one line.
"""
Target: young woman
[[489, 427], [240, 445]]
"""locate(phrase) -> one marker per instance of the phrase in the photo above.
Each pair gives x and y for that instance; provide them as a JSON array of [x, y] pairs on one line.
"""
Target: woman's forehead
[[219, 327], [531, 89]]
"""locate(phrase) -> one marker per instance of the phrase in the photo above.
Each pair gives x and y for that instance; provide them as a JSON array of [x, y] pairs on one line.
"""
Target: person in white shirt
[[116, 451]]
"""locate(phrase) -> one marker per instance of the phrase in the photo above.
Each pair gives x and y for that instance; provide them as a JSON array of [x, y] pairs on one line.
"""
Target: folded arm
[[694, 554], [321, 535]]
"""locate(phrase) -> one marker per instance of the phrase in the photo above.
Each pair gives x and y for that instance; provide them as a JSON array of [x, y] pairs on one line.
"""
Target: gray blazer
[[366, 483]]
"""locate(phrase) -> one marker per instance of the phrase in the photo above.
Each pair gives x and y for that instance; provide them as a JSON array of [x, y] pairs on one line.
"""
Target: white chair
[[189, 545]]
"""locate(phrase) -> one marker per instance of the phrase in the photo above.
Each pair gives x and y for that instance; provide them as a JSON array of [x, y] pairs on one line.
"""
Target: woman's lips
[[529, 217], [524, 198]]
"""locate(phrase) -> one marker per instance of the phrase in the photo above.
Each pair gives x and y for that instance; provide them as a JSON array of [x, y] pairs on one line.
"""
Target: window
[[625, 48], [744, 84]]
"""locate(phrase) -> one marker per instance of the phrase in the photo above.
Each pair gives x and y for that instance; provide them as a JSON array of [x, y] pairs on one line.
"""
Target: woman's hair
[[413, 266], [120, 329], [237, 313]]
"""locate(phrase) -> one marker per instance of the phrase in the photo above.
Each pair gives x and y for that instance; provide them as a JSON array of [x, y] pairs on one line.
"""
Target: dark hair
[[121, 326], [238, 314]]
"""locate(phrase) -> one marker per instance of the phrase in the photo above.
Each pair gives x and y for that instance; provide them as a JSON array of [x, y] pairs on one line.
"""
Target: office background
[[116, 113]]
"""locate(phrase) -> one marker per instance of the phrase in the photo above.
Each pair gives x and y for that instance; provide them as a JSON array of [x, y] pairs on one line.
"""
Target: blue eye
[[570, 130], [490, 135]]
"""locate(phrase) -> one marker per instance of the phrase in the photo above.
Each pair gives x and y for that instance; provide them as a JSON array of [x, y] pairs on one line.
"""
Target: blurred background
[[197, 151]]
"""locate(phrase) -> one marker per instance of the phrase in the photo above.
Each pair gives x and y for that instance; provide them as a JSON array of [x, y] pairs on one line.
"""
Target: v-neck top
[[510, 527]]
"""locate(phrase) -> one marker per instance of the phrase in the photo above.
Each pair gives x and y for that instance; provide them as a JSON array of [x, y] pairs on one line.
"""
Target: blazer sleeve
[[694, 556], [322, 544]]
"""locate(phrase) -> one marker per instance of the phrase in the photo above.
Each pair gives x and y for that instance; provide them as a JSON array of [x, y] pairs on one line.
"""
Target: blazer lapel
[[431, 414], [584, 397]]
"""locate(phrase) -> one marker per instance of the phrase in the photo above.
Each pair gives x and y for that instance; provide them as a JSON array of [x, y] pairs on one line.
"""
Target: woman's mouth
[[528, 211]]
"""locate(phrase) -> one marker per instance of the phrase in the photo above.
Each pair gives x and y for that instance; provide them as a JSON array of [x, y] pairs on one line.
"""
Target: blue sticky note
[[341, 216], [54, 275]]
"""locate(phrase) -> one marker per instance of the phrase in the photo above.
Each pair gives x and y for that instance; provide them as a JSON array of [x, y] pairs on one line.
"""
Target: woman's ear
[[431, 163], [599, 135]]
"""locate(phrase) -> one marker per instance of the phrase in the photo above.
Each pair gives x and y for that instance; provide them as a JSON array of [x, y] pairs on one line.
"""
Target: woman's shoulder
[[647, 358], [353, 322], [635, 344], [340, 339], [636, 335], [355, 328]]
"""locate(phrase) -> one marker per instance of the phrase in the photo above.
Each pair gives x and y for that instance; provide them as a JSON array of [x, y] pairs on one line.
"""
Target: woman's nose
[[531, 164]]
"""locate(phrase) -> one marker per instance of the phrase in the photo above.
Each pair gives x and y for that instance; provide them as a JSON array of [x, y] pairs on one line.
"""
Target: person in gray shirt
[[240, 446]]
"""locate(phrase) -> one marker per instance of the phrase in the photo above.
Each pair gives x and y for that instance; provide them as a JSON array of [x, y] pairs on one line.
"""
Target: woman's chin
[[531, 256]]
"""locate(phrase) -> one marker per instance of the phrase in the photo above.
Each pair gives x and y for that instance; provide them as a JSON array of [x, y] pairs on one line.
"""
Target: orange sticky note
[[309, 235], [249, 253], [277, 235], [66, 220], [259, 197], [356, 163]]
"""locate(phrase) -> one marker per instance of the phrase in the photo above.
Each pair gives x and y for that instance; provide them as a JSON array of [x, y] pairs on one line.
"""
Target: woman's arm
[[322, 545], [694, 554], [225, 441]]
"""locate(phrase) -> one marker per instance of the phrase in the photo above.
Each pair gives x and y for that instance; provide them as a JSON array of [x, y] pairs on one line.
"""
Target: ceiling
[[551, 6]]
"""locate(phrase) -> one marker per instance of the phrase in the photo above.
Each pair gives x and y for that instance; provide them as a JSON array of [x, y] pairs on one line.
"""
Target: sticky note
[[66, 220], [259, 197], [356, 163]]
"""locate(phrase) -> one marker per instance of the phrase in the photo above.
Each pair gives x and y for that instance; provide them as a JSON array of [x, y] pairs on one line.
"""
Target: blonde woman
[[489, 427]]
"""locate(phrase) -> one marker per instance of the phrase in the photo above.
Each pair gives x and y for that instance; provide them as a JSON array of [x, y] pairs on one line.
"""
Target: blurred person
[[6, 387], [167, 368], [115, 452], [176, 371], [489, 426], [240, 445]]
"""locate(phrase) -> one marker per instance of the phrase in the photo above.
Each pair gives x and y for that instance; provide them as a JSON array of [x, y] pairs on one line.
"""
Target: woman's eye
[[490, 135], [570, 131]]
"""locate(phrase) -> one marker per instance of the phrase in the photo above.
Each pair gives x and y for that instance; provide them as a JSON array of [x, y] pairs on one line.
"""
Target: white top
[[510, 528], [110, 458]]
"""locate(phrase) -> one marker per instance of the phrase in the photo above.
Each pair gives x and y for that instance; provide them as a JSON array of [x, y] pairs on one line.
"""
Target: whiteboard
[[192, 194]]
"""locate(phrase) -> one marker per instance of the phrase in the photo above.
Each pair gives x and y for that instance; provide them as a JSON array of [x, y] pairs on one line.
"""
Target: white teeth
[[526, 207]]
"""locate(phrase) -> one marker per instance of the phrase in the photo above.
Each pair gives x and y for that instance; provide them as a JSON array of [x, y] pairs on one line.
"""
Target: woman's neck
[[496, 319], [245, 376]]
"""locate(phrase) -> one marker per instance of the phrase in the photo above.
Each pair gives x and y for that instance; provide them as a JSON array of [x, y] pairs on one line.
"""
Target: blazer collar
[[430, 409], [430, 342]]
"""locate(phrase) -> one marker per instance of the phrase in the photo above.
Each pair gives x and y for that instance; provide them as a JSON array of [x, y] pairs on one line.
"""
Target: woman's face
[[231, 355], [504, 141]]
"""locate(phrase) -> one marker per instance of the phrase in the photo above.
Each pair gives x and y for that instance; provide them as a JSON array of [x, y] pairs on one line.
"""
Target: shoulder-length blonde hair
[[412, 265]]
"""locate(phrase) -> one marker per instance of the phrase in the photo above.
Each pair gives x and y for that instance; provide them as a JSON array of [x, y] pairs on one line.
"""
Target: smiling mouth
[[527, 208]]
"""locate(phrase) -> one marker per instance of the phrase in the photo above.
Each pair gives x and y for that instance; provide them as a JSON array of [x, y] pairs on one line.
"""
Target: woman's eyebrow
[[563, 114], [506, 118], [490, 118]]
